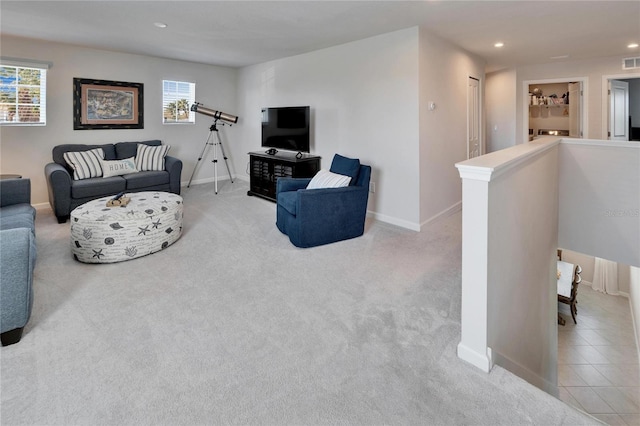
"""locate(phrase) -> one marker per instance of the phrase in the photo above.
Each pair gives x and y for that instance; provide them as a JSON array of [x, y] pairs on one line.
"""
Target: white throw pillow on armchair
[[327, 179]]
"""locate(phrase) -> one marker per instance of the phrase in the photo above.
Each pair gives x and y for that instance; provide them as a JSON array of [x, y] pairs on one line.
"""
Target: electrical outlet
[[372, 187]]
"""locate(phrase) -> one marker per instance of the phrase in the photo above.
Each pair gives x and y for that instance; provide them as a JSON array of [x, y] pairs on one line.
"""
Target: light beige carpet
[[234, 325]]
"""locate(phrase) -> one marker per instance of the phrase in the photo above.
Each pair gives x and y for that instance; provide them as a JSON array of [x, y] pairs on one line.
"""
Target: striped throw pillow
[[85, 164], [150, 157]]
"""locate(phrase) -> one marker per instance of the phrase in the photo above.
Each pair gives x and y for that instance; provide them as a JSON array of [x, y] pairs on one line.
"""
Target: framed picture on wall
[[104, 104]]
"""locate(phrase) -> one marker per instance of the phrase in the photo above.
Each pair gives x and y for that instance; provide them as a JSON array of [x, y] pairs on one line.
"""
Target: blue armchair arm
[[291, 184], [15, 191], [349, 202]]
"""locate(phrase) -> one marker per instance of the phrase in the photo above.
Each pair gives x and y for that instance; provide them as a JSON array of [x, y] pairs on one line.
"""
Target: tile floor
[[598, 365]]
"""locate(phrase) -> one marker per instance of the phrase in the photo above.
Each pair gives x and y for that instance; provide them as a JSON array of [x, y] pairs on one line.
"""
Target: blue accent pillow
[[346, 166]]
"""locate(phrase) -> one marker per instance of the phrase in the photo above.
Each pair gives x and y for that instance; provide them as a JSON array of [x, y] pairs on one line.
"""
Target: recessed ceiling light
[[632, 45], [160, 24], [499, 44]]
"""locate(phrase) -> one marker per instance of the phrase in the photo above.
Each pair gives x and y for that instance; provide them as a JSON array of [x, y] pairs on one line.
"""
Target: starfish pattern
[[97, 253], [143, 231], [156, 224]]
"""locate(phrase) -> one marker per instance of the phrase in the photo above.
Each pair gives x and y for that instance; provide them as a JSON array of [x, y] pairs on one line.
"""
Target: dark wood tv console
[[265, 169]]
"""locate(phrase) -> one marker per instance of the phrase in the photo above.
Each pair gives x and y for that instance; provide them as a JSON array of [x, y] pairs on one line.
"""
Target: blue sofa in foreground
[[323, 215], [17, 258]]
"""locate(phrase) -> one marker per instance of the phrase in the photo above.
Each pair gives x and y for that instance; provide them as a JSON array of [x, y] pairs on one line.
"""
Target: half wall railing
[[518, 206]]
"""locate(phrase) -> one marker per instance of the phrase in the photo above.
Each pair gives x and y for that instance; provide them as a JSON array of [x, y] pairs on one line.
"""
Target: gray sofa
[[17, 257], [65, 194]]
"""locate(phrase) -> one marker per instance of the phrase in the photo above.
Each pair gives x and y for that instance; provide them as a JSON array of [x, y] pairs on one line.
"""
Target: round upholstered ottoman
[[150, 222]]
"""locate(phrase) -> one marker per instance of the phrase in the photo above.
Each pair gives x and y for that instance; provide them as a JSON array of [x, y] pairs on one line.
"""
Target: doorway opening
[[474, 142], [621, 107], [556, 108]]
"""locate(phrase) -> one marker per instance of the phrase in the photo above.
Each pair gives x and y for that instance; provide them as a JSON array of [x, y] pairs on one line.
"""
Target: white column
[[475, 225]]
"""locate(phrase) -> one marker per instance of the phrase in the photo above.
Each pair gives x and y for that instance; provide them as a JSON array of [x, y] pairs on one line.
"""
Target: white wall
[[592, 69], [444, 73], [26, 150], [600, 199], [364, 104], [501, 109], [522, 334], [368, 98]]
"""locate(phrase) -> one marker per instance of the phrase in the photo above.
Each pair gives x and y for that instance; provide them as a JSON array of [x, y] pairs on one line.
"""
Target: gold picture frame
[[105, 104]]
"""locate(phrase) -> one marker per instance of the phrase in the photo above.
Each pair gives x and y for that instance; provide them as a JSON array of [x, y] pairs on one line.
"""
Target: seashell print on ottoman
[[150, 222]]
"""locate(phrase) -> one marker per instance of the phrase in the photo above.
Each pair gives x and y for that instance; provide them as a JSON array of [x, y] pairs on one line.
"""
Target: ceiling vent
[[631, 63]]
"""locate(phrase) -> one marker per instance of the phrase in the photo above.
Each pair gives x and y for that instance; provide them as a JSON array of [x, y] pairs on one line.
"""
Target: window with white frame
[[177, 98], [23, 94]]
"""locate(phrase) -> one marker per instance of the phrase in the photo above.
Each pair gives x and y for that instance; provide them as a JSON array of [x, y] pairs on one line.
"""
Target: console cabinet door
[[265, 171]]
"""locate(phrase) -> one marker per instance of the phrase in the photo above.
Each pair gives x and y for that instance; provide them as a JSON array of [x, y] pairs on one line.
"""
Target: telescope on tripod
[[197, 107], [217, 115]]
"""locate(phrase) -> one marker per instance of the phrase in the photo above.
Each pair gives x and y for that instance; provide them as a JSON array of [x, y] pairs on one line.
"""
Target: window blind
[[23, 92], [177, 98]]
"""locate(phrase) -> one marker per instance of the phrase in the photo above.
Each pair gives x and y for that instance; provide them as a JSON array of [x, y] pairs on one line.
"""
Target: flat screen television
[[286, 128]]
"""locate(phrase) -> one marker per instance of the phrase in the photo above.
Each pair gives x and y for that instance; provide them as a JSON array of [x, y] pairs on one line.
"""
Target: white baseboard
[[412, 225], [42, 206], [212, 180], [202, 181], [394, 221], [444, 213], [374, 215], [482, 361], [526, 374], [590, 284]]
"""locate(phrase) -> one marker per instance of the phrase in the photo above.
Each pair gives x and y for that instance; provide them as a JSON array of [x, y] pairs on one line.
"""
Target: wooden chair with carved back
[[572, 298]]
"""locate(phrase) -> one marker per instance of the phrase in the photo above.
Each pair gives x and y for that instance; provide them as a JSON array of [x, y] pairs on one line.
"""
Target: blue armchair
[[313, 217]]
